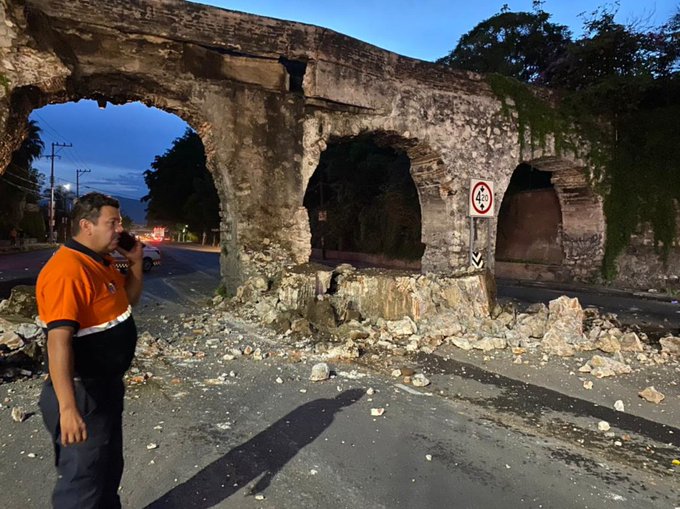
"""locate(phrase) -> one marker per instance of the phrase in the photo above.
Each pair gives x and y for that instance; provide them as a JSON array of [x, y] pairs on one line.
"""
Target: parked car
[[150, 258]]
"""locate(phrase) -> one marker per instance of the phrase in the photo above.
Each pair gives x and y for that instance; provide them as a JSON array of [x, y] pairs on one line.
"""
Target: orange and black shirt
[[79, 288]]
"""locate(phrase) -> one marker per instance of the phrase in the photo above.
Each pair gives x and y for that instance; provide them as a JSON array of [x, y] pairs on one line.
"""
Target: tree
[[370, 200], [181, 189], [522, 45], [20, 183]]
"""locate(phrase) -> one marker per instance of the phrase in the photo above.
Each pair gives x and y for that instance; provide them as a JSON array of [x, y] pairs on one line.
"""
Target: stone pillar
[[257, 142]]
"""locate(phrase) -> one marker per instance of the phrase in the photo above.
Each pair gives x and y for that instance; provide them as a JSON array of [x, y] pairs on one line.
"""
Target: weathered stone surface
[[670, 345], [404, 327], [600, 366], [630, 342], [554, 343], [652, 395], [11, 341], [320, 312], [320, 372], [608, 344], [21, 302]]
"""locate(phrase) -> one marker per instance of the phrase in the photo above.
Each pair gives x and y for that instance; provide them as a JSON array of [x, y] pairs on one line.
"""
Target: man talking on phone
[[85, 306]]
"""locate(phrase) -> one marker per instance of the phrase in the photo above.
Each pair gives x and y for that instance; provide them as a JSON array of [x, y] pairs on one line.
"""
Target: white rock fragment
[[279, 380], [428, 457], [619, 406], [152, 445], [320, 372], [370, 391], [420, 380], [588, 384], [652, 395], [259, 497], [18, 414], [313, 472], [603, 426], [396, 373], [377, 412]]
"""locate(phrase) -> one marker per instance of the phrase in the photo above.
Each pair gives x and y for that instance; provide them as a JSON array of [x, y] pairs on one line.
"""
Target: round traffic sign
[[482, 198]]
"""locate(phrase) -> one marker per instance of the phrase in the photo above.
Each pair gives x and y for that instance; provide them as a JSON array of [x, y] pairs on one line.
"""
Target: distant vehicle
[[150, 258]]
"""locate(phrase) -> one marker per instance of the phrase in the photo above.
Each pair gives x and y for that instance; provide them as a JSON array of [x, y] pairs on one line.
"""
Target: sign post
[[482, 202]]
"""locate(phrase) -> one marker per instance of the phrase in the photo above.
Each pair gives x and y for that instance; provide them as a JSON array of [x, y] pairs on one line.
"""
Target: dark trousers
[[89, 473]]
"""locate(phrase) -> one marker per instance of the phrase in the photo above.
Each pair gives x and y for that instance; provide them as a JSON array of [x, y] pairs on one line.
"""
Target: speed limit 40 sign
[[481, 198]]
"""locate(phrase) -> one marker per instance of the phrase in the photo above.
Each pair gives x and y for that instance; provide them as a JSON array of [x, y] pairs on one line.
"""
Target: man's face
[[103, 234]]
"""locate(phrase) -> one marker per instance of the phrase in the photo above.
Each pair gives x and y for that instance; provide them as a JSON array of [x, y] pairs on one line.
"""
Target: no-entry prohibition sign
[[481, 198]]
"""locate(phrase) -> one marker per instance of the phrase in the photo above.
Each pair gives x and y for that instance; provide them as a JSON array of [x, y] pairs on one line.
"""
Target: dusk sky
[[118, 143]]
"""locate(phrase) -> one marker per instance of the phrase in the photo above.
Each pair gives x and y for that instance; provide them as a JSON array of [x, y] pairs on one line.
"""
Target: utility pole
[[78, 173], [51, 211]]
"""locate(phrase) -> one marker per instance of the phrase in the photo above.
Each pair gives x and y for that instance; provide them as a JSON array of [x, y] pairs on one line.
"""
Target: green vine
[[533, 114], [633, 153], [4, 81]]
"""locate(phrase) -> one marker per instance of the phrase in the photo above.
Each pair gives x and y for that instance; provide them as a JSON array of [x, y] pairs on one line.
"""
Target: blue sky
[[118, 143]]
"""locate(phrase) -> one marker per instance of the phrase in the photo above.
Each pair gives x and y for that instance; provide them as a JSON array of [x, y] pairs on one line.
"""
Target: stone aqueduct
[[266, 97]]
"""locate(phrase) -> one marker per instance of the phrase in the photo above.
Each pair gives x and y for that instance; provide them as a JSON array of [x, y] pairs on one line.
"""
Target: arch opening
[[529, 226], [363, 205], [152, 161]]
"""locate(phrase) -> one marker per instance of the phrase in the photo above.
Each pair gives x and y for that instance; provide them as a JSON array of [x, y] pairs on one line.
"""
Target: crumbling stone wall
[[641, 265], [266, 97]]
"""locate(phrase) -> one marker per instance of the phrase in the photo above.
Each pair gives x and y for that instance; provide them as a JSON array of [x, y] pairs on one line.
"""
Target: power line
[[25, 189], [18, 177], [99, 190]]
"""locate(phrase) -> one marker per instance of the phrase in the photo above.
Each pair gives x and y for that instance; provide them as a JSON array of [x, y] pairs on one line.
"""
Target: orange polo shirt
[[82, 289]]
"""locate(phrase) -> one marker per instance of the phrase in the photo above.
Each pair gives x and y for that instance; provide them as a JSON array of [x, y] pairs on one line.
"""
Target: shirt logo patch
[[112, 287]]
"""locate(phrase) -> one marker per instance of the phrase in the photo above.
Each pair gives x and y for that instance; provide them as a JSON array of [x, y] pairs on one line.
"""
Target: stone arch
[[582, 231], [386, 240], [426, 168], [119, 90]]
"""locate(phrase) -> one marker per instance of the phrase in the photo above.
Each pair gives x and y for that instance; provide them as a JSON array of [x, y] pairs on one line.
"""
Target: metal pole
[[472, 237], [51, 211], [488, 243]]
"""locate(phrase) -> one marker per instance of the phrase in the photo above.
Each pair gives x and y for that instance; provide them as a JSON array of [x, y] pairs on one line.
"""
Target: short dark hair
[[89, 206]]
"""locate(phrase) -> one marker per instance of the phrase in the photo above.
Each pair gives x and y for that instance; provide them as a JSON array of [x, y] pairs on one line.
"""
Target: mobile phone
[[126, 240]]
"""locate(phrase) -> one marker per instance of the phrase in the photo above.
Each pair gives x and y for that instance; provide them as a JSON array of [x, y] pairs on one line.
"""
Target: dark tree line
[[20, 184], [181, 189], [619, 84], [369, 198]]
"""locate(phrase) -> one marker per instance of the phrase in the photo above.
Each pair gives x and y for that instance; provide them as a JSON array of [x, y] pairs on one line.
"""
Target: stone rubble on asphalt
[[652, 395]]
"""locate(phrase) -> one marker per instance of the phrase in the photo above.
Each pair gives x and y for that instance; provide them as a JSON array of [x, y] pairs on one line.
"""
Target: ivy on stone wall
[[615, 88], [634, 154]]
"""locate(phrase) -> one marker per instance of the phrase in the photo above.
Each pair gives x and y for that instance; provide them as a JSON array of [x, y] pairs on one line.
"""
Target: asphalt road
[[196, 438]]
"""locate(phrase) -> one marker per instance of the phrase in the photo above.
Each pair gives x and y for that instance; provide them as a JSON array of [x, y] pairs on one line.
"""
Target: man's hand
[[73, 429]]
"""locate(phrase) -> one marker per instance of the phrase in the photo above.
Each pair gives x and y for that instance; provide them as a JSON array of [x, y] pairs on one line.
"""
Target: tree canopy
[[370, 200], [181, 189], [21, 182], [518, 44]]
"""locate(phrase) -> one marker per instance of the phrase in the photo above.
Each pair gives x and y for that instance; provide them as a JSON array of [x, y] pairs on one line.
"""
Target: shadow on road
[[266, 453]]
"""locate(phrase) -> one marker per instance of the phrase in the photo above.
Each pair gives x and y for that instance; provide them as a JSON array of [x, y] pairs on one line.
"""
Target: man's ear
[[85, 226]]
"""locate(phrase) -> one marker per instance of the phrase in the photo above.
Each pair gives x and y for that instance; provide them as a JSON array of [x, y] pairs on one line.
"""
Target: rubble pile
[[418, 313], [21, 348]]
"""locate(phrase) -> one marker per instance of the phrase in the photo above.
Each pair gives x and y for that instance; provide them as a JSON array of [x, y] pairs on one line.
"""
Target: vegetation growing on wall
[[618, 85]]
